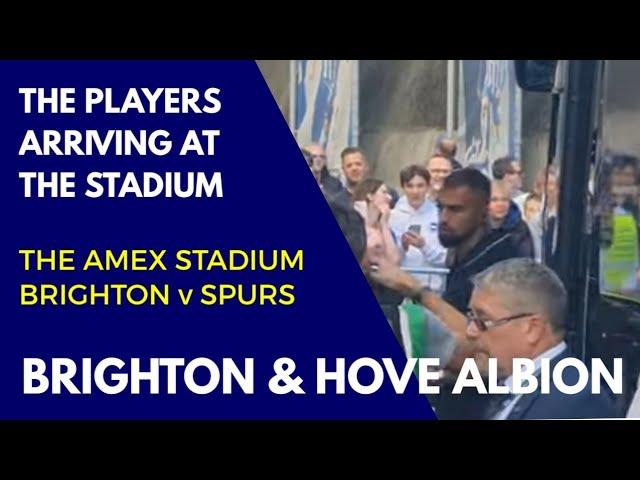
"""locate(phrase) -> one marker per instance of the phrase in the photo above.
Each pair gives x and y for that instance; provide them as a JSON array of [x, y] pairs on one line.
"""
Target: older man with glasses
[[317, 158], [517, 310]]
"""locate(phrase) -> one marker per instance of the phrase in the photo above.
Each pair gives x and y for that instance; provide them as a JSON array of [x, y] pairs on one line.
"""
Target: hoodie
[[521, 236], [404, 215]]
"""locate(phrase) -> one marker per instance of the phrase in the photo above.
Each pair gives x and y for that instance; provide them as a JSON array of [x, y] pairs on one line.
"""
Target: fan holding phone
[[414, 222], [412, 237]]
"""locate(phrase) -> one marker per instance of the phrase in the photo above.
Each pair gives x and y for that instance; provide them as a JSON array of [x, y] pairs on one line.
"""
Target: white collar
[[551, 353]]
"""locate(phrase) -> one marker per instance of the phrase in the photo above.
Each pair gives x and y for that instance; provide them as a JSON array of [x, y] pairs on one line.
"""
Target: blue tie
[[497, 403]]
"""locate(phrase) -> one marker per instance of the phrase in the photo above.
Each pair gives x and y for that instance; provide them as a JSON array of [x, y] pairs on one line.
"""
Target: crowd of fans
[[465, 249]]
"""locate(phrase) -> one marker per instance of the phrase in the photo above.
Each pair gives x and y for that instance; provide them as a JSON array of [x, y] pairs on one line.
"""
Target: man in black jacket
[[331, 186], [464, 229], [505, 216], [473, 246]]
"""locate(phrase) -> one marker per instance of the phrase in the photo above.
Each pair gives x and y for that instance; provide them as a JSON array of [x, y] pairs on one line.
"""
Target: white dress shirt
[[511, 402], [634, 408]]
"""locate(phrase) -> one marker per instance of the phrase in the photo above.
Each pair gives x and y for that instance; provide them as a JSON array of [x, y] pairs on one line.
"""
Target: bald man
[[447, 147], [330, 185]]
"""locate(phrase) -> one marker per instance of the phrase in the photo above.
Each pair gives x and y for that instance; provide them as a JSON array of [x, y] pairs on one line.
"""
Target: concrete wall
[[403, 110], [390, 150], [276, 73]]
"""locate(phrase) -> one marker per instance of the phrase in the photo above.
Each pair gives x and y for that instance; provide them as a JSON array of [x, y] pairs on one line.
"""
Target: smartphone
[[414, 229]]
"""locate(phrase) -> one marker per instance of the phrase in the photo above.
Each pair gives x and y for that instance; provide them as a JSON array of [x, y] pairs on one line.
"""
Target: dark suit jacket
[[558, 405], [330, 184]]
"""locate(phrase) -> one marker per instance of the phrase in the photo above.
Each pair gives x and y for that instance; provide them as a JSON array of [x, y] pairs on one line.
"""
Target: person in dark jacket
[[330, 185], [473, 246], [505, 217], [352, 226], [355, 168]]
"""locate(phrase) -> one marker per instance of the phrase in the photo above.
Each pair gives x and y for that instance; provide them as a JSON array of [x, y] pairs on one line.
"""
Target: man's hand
[[391, 276]]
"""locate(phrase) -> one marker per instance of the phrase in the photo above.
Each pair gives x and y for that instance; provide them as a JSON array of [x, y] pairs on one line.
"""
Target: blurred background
[[396, 109]]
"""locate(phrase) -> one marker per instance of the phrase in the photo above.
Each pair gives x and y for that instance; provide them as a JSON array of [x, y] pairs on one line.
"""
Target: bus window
[[618, 192], [549, 238], [618, 212]]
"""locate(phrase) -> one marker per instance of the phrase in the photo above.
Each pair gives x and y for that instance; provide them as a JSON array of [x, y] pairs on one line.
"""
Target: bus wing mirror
[[536, 75]]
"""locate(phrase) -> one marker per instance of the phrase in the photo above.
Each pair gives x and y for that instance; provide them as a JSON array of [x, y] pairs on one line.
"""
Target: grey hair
[[529, 286]]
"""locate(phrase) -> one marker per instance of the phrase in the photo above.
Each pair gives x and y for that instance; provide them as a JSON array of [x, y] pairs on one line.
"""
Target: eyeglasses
[[322, 157], [483, 325]]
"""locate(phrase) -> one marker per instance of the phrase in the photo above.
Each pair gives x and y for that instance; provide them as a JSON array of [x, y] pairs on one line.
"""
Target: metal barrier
[[425, 270], [432, 277]]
